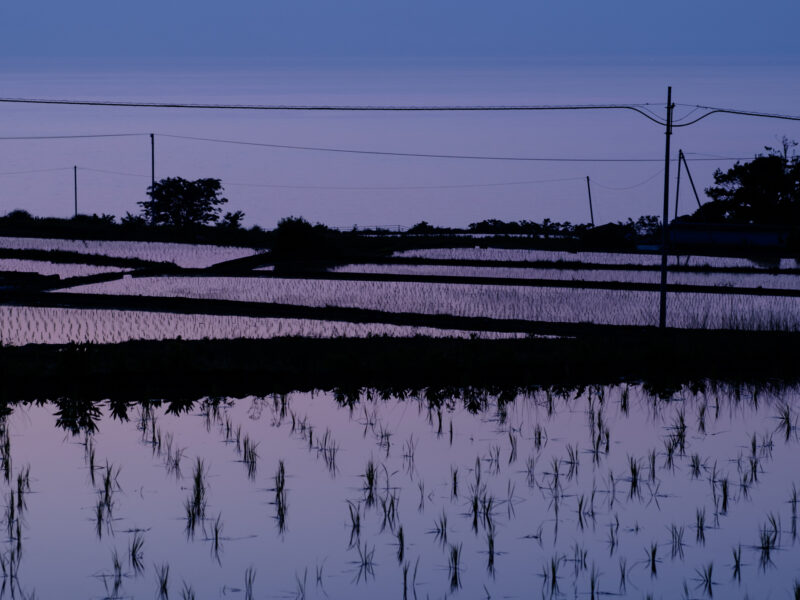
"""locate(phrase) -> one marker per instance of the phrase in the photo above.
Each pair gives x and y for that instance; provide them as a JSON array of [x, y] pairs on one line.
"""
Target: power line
[[70, 137], [36, 171], [339, 108], [712, 110], [630, 187], [431, 155], [406, 187], [357, 188]]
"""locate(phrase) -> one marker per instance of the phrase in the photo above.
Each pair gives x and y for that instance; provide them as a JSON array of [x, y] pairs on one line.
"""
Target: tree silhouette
[[764, 191], [177, 202]]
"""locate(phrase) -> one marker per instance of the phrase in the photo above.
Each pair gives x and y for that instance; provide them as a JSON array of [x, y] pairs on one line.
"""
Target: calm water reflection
[[605, 491]]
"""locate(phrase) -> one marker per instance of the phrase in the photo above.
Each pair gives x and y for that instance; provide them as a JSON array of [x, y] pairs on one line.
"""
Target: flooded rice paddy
[[63, 270], [610, 258], [764, 280], [612, 307], [195, 256], [20, 325], [604, 491]]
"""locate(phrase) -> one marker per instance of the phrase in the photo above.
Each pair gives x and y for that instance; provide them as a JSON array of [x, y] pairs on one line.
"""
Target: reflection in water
[[466, 493]]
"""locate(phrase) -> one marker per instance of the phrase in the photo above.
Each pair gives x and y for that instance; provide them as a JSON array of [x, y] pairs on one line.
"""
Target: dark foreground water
[[606, 491]]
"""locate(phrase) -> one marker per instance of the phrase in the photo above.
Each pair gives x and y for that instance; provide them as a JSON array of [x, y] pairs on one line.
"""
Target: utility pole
[[662, 318], [152, 160], [591, 210], [678, 184], [75, 186]]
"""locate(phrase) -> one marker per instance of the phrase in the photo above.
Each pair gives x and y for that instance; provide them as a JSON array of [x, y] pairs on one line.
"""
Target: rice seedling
[[249, 580], [173, 462], [579, 556], [594, 583], [572, 461], [300, 590], [669, 448], [694, 465], [216, 536], [512, 455], [136, 553], [700, 525], [786, 420], [187, 592], [162, 580], [701, 418], [493, 459], [454, 566], [250, 456], [705, 580], [530, 471], [454, 479], [401, 544], [634, 469], [487, 510], [354, 511], [538, 437], [198, 500], [440, 528], [116, 565], [490, 537], [737, 563], [389, 503], [550, 575], [365, 563], [652, 559], [676, 533], [370, 482], [724, 488], [767, 543]]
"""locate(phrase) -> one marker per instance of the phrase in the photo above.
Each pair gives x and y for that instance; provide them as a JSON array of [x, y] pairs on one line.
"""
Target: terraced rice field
[[504, 302], [196, 256]]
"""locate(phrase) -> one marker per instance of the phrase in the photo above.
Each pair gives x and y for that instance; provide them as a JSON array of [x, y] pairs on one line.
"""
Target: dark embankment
[[190, 369]]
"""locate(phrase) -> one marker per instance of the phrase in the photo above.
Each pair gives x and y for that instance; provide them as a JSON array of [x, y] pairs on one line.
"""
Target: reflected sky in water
[[547, 476]]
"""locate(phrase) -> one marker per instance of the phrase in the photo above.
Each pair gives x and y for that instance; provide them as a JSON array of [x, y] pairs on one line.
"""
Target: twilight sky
[[713, 52], [264, 29]]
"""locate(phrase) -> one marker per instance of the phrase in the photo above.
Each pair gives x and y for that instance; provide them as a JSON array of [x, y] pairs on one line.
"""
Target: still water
[[470, 494]]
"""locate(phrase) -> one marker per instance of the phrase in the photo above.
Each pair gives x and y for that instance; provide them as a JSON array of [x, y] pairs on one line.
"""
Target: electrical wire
[[336, 108], [36, 171], [430, 155], [630, 187], [405, 187], [712, 110], [70, 137]]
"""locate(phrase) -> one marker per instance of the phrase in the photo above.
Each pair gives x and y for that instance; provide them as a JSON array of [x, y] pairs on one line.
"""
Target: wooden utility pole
[[591, 210], [75, 187], [662, 318], [152, 160], [678, 184]]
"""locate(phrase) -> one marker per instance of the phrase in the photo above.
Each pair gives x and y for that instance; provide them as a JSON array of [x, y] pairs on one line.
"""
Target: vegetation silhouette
[[764, 191], [177, 202]]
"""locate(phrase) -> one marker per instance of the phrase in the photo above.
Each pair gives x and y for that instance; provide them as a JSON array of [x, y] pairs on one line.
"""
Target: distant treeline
[[23, 224]]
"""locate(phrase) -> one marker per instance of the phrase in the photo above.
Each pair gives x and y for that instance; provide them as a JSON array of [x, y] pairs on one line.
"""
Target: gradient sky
[[376, 52], [728, 29]]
